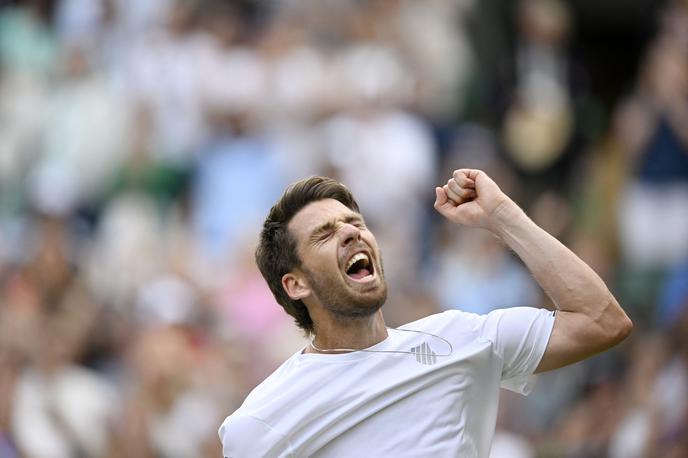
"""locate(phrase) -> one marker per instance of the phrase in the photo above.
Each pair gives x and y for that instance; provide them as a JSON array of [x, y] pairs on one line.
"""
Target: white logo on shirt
[[424, 354]]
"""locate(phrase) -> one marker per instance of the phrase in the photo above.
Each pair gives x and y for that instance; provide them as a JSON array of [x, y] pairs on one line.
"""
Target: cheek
[[323, 257], [370, 238]]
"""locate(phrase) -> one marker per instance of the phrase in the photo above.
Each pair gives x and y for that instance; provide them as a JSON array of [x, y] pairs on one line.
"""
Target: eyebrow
[[331, 225]]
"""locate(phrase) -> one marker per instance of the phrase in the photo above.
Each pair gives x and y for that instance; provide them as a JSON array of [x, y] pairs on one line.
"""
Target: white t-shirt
[[414, 404]]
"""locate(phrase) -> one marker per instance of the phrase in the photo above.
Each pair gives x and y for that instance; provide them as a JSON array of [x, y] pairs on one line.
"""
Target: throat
[[333, 335]]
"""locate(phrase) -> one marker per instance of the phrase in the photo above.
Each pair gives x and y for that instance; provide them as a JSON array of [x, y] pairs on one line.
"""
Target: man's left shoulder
[[453, 321]]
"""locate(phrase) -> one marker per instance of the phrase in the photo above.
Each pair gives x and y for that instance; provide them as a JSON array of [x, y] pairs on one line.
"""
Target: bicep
[[574, 337]]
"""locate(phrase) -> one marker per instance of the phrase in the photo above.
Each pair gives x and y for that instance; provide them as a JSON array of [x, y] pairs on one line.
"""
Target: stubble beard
[[344, 303]]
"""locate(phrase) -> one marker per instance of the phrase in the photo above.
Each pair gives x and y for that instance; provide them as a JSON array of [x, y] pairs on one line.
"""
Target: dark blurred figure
[[653, 128], [543, 90]]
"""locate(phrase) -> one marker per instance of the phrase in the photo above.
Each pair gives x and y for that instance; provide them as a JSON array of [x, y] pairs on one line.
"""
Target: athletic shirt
[[437, 400]]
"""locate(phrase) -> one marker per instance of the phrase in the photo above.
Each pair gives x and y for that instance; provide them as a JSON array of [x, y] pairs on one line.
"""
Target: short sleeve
[[519, 336], [244, 435]]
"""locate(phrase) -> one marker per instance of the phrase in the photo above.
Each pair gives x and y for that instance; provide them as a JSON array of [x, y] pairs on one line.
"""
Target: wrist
[[505, 216]]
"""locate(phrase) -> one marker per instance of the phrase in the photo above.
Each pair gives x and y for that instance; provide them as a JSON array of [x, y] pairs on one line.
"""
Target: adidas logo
[[424, 354]]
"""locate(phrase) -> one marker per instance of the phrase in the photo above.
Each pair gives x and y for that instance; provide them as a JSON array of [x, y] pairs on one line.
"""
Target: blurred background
[[143, 142]]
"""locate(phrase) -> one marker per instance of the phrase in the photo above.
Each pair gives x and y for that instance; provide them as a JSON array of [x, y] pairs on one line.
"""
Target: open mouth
[[360, 267]]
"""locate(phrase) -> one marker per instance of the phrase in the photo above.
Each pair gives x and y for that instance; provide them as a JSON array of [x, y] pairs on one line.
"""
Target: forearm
[[590, 319], [571, 284]]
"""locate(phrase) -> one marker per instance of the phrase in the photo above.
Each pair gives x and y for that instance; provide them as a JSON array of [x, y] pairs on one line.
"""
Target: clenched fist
[[472, 199]]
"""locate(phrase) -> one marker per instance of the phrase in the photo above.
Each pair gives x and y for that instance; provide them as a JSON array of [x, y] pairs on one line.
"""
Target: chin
[[346, 297], [359, 304]]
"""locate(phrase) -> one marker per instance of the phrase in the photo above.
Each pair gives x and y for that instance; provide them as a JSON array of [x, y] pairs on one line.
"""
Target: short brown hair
[[277, 255]]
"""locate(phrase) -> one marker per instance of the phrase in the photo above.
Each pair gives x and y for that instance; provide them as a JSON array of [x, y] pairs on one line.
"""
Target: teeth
[[357, 257]]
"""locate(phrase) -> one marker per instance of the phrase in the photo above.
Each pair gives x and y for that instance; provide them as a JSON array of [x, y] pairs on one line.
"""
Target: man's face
[[340, 259]]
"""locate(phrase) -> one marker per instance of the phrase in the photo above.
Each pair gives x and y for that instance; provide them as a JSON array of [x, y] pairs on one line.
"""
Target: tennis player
[[428, 388]]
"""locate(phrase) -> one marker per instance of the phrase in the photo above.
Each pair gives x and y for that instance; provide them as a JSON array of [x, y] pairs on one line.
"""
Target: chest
[[399, 402]]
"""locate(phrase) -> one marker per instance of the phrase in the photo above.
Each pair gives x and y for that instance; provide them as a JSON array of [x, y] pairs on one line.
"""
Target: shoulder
[[451, 320], [274, 381], [515, 318], [487, 327], [250, 429], [243, 434]]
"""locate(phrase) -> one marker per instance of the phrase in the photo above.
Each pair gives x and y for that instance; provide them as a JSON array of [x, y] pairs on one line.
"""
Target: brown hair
[[276, 254]]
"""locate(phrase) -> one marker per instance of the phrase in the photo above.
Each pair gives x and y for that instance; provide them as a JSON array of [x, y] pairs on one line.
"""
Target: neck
[[350, 334]]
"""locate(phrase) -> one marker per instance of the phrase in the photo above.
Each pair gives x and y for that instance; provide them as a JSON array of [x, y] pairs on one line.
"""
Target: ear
[[296, 285]]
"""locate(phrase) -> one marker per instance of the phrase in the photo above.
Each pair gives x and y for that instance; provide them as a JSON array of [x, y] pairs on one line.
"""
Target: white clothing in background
[[50, 414]]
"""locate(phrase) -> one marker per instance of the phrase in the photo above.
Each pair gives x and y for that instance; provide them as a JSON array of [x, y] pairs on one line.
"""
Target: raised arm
[[589, 319]]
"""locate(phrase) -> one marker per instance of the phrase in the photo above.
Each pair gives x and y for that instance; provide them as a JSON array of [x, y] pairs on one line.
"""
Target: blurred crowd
[[143, 142]]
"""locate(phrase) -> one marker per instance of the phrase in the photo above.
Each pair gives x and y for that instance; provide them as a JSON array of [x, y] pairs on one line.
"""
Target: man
[[431, 387]]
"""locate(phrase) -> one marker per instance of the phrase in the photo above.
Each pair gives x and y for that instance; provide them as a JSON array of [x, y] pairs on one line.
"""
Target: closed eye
[[325, 236], [327, 230], [322, 233]]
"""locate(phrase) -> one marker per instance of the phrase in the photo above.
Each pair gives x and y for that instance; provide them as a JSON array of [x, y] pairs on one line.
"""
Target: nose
[[350, 234]]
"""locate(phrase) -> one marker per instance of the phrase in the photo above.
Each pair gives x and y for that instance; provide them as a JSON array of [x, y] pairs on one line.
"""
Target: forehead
[[315, 214]]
